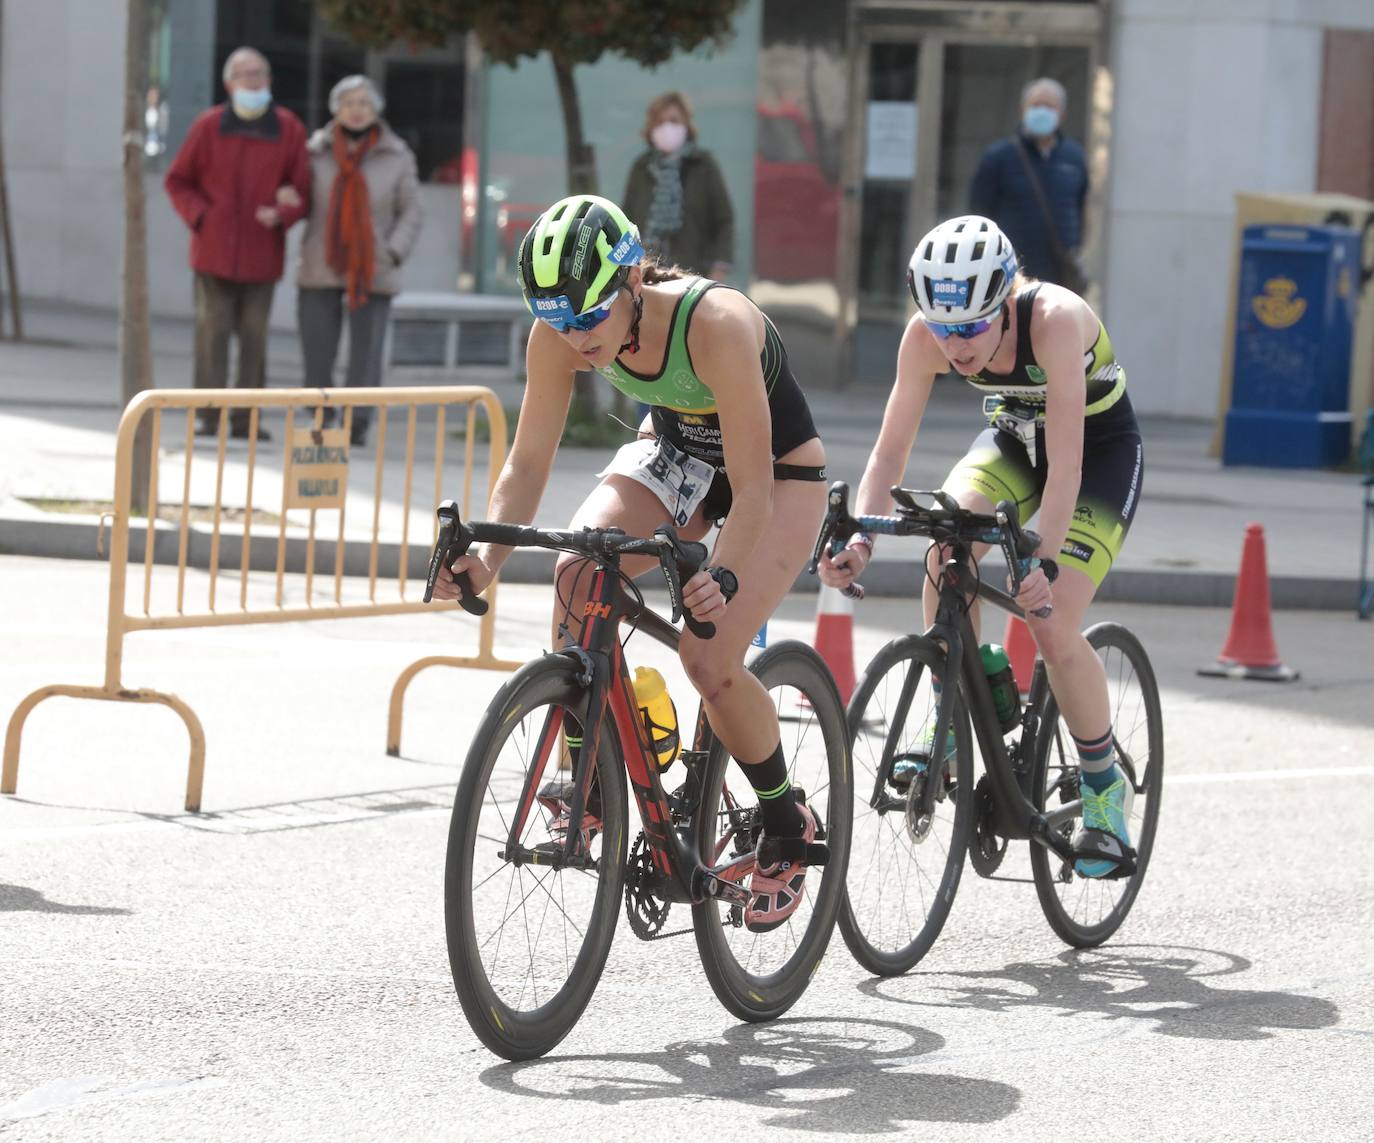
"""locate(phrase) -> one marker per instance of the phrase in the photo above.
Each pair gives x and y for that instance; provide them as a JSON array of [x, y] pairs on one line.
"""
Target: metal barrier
[[315, 460]]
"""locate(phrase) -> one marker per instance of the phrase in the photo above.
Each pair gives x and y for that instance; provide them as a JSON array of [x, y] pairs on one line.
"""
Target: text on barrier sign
[[317, 470]]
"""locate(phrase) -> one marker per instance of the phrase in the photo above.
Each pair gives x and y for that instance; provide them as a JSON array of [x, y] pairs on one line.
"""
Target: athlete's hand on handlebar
[[702, 597], [479, 575], [1035, 595], [845, 567]]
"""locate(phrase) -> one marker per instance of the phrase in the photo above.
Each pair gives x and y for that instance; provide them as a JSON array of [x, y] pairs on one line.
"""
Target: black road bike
[[916, 818], [531, 902]]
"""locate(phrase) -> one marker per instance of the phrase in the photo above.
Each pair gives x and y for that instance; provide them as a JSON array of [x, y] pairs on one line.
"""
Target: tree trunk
[[135, 349], [581, 180], [6, 234]]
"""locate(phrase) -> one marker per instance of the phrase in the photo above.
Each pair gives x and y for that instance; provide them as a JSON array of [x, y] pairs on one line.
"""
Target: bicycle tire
[[871, 922], [478, 829], [759, 976], [1069, 900]]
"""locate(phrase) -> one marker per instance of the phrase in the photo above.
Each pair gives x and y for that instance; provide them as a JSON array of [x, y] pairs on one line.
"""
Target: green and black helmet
[[575, 257]]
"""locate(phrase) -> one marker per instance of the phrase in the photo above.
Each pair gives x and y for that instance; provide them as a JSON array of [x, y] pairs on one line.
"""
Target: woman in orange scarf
[[364, 219]]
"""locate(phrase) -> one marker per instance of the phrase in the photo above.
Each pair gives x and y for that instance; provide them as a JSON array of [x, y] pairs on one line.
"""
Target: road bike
[[531, 903], [914, 820]]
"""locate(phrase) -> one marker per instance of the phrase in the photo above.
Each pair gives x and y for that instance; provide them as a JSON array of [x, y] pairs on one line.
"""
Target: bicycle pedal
[[775, 850], [1098, 845]]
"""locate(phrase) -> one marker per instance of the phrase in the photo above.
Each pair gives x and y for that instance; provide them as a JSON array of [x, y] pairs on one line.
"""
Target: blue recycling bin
[[1295, 321]]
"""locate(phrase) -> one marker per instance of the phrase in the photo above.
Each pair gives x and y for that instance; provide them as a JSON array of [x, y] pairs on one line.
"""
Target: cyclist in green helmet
[[714, 372]]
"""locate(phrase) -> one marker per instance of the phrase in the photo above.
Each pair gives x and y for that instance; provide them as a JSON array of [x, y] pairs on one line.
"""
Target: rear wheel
[[1085, 911], [527, 941], [904, 870], [759, 976]]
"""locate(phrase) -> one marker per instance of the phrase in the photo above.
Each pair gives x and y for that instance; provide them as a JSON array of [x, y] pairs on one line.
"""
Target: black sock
[[777, 803]]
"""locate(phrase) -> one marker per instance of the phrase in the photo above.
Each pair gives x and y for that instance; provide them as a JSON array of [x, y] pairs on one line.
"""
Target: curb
[[75, 539]]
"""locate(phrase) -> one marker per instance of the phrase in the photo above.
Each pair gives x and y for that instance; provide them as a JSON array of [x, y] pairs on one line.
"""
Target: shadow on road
[[22, 899], [1164, 984], [824, 1075]]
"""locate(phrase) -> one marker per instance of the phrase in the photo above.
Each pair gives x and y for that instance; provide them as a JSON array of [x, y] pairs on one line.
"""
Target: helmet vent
[[978, 248], [951, 251]]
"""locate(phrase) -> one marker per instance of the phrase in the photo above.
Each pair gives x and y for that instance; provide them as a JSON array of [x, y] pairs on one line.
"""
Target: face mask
[[249, 103], [1040, 120], [668, 137]]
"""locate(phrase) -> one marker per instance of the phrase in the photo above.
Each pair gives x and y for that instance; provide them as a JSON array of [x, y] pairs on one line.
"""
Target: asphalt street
[[274, 968]]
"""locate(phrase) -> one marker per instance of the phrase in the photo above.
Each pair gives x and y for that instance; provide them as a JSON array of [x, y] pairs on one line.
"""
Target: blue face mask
[[1040, 120], [251, 102]]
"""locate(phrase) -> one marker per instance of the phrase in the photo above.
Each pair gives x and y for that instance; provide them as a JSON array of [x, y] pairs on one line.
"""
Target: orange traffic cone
[[1250, 652], [835, 637], [1020, 648]]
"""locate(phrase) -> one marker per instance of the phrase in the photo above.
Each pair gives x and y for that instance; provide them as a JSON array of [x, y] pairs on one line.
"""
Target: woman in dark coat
[[677, 192]]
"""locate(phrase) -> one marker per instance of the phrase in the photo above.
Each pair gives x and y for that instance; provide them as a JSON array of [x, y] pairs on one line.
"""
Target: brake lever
[[837, 509], [671, 554], [1019, 546], [453, 542]]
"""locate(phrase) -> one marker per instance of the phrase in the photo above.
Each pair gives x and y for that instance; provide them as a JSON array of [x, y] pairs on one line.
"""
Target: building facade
[[845, 128]]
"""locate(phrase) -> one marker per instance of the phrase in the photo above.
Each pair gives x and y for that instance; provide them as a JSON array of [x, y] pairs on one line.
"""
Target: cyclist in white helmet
[[1061, 437]]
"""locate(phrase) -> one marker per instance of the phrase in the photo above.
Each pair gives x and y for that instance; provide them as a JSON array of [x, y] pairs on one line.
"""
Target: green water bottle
[[1006, 696]]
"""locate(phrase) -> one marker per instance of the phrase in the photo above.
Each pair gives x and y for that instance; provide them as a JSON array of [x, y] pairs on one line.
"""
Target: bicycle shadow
[[1165, 984], [22, 899], [821, 1074]]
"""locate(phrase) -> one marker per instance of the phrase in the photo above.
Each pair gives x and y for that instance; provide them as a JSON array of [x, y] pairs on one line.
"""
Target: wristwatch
[[728, 581]]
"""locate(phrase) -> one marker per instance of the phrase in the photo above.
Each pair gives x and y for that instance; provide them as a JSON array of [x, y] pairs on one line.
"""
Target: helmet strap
[[1006, 322], [633, 343]]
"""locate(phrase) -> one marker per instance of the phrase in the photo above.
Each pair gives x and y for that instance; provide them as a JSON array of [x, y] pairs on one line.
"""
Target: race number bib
[[678, 480]]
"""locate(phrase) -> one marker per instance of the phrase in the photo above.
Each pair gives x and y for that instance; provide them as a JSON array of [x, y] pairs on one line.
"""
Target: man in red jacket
[[241, 180]]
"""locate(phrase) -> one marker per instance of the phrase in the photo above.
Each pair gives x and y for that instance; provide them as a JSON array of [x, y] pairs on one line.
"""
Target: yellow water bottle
[[659, 715]]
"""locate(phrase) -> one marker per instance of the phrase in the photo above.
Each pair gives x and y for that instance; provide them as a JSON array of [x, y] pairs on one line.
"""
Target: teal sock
[[1097, 762]]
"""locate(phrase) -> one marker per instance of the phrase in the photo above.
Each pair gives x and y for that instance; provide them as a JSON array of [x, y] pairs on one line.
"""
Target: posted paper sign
[[891, 144], [317, 471]]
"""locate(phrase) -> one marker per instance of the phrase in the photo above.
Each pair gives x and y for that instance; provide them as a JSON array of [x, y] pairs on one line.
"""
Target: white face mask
[[669, 136]]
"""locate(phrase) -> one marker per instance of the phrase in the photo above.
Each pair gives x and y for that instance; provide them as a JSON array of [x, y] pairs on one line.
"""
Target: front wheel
[[904, 870], [1085, 911], [759, 976], [527, 940]]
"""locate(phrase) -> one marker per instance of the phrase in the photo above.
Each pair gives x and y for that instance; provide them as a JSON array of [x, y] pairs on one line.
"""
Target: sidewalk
[[59, 408]]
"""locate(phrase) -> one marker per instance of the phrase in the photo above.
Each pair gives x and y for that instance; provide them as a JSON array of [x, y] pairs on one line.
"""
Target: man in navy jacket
[[1002, 188]]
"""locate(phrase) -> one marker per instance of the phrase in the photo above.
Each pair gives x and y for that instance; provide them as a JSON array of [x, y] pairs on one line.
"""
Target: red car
[[796, 208]]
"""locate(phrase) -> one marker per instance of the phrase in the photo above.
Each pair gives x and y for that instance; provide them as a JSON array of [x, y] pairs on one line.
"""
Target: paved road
[[275, 968]]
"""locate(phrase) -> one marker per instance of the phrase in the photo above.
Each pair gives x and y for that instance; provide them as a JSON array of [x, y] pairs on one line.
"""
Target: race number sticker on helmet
[[558, 308], [950, 293], [627, 251]]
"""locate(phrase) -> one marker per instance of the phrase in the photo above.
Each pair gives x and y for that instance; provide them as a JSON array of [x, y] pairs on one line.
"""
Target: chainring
[[646, 913], [986, 849]]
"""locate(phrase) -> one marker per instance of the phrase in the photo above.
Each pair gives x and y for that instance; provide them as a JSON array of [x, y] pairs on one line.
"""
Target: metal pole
[[6, 234]]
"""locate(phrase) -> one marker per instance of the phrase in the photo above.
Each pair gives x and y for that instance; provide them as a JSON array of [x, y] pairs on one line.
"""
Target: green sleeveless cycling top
[[1025, 384], [684, 408]]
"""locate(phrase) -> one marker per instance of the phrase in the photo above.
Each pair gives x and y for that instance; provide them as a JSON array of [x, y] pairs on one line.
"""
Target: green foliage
[[575, 31]]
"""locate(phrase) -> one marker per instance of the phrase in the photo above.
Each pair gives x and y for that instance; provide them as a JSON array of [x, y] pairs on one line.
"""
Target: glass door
[[929, 93]]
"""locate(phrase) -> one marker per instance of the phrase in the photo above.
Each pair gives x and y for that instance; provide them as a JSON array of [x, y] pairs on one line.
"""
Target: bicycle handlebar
[[944, 522], [678, 559]]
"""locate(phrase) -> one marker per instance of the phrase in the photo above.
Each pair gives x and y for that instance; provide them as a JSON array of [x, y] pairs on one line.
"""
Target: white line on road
[[1271, 775]]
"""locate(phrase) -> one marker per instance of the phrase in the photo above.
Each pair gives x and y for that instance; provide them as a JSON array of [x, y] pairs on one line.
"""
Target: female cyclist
[[1062, 437], [723, 399]]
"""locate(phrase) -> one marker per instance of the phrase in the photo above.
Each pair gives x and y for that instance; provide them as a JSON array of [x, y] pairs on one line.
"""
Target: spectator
[[364, 219], [239, 181], [676, 188], [1033, 186]]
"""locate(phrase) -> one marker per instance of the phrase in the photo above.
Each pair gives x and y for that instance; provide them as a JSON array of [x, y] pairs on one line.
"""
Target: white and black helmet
[[962, 270]]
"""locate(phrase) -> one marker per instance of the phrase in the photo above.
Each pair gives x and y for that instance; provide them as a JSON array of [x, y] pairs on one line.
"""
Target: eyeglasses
[[585, 321], [963, 329]]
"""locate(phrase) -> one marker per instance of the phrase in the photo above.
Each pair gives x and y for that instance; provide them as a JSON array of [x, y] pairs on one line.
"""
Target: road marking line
[[1270, 775]]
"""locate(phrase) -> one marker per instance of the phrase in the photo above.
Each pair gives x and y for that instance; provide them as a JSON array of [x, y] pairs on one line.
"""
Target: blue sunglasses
[[963, 329], [584, 321]]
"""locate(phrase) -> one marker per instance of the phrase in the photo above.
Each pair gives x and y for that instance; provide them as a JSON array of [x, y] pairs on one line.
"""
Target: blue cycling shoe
[[1104, 827]]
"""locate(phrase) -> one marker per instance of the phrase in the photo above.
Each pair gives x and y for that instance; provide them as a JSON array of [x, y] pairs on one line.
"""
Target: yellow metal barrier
[[314, 475]]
